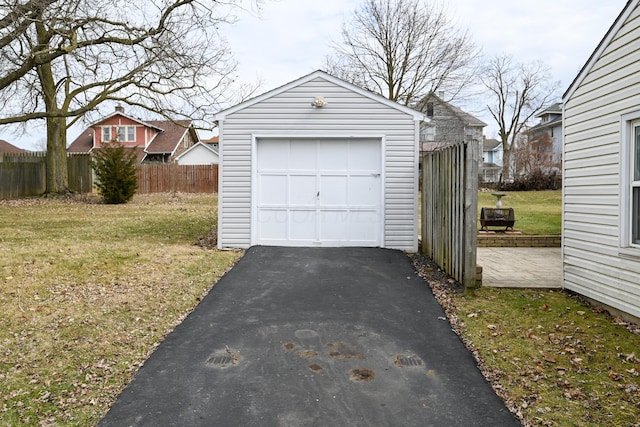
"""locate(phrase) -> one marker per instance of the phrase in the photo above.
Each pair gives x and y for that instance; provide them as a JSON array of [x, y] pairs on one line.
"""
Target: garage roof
[[221, 115]]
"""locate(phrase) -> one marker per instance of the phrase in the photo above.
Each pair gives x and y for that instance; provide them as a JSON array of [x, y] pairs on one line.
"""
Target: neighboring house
[[199, 154], [5, 147], [319, 162], [491, 169], [601, 172], [156, 141], [448, 125], [549, 129]]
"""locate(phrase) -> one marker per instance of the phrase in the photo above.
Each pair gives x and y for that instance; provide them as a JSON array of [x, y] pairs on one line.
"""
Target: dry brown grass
[[88, 291]]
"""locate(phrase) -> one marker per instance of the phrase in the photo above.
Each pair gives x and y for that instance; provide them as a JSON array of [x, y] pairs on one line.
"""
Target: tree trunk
[[56, 160], [506, 164]]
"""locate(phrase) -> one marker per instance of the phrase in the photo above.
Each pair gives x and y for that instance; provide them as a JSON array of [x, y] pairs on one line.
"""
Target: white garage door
[[313, 192]]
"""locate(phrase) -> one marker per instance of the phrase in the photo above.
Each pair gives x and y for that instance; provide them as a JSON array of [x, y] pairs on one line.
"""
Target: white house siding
[[593, 264], [348, 114]]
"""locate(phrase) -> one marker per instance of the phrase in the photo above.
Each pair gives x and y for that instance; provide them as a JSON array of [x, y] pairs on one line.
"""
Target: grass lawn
[[537, 212], [87, 291], [555, 360]]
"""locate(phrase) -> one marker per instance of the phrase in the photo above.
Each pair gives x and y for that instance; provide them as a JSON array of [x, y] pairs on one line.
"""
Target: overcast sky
[[290, 38], [287, 39]]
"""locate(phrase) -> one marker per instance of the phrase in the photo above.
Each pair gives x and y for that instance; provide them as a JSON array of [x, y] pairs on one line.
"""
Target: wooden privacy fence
[[449, 210], [24, 174], [171, 177]]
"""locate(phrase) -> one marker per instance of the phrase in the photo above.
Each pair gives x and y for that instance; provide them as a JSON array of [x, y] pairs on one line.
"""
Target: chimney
[[119, 109], [441, 95]]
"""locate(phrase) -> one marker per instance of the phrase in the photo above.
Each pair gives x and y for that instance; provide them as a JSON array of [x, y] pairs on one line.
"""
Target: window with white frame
[[126, 133], [635, 185], [106, 134], [630, 182]]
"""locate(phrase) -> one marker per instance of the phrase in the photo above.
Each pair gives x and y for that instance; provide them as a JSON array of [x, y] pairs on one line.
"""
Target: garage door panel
[[364, 190], [364, 156], [333, 156], [361, 223], [302, 190], [302, 225], [272, 224], [273, 190], [300, 158], [333, 191], [334, 226], [270, 155]]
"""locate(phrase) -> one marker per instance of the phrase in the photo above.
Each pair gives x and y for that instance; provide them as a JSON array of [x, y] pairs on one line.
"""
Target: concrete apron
[[315, 337], [521, 267]]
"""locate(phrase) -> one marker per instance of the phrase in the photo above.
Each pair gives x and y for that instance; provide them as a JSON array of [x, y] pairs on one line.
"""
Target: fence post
[[470, 215]]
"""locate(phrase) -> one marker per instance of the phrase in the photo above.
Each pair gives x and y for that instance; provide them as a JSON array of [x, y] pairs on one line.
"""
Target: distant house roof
[[465, 117], [207, 146], [83, 143], [172, 132], [553, 109], [490, 144], [5, 147], [557, 121], [212, 140]]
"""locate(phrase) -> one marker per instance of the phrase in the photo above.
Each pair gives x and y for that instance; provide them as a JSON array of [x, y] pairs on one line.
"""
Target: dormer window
[[106, 134], [126, 133], [429, 109]]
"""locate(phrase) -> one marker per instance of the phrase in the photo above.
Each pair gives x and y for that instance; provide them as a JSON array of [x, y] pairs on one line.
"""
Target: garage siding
[[348, 114], [593, 265]]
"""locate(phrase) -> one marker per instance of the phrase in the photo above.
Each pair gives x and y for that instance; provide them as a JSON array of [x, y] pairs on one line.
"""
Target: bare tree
[[60, 59], [534, 153], [519, 91], [403, 50]]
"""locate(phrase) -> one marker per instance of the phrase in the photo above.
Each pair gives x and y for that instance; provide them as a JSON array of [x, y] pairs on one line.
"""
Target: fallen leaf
[[615, 376]]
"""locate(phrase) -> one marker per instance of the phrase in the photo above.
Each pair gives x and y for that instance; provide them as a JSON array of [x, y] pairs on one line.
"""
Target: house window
[[635, 186], [106, 134], [131, 133], [121, 133], [429, 109], [630, 184], [429, 133]]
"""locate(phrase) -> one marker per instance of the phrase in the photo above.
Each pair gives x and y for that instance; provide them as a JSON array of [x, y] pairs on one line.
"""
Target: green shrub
[[115, 169]]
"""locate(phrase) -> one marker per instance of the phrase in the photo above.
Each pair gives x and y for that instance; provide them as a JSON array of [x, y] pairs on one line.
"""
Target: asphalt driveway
[[313, 337]]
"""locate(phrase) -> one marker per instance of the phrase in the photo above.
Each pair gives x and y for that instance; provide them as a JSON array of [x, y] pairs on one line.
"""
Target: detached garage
[[318, 162]]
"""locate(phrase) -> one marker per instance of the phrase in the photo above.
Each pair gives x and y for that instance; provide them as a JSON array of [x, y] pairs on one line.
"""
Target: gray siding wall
[[347, 114], [593, 263]]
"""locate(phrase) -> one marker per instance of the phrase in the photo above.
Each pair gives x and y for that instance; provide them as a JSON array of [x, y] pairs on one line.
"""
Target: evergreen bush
[[115, 169]]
